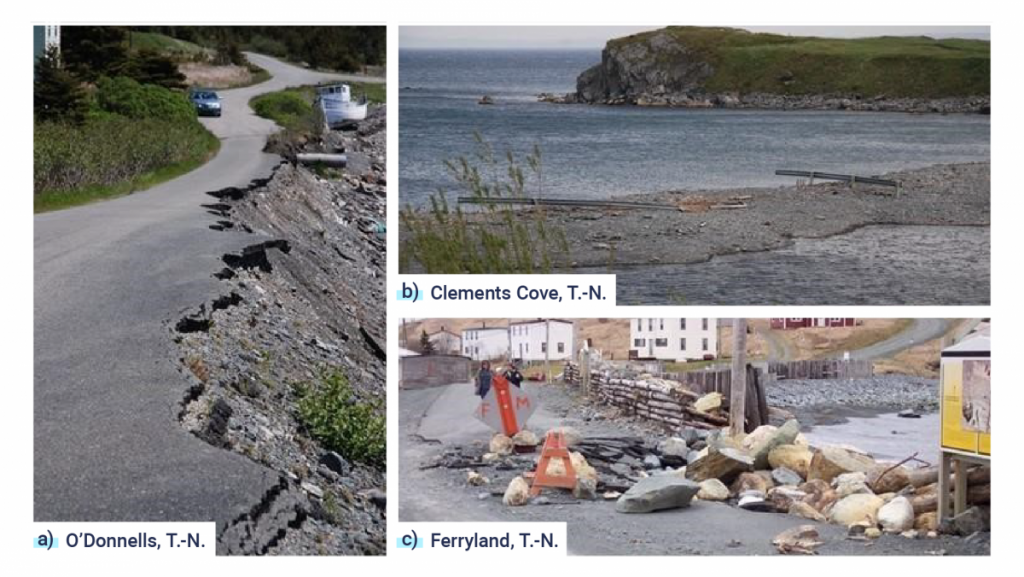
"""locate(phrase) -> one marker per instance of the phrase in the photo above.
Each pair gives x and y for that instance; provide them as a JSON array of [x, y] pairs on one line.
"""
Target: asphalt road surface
[[920, 331], [432, 419], [110, 280]]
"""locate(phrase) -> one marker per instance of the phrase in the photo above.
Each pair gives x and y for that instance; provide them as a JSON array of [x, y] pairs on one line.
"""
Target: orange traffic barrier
[[554, 448], [508, 413]]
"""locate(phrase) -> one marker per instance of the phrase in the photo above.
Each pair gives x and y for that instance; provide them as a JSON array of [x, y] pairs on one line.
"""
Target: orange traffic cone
[[554, 448]]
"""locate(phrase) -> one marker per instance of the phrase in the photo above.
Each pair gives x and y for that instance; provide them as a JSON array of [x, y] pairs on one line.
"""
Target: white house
[[45, 37], [485, 343], [530, 340], [446, 342], [676, 340]]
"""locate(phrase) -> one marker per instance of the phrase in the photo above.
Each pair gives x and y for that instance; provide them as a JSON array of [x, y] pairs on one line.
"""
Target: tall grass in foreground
[[497, 239]]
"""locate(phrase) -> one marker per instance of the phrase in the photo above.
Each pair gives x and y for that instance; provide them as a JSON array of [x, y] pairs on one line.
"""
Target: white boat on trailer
[[337, 104]]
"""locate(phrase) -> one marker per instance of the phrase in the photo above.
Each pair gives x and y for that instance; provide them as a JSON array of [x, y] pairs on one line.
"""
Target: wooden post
[[547, 349], [738, 392]]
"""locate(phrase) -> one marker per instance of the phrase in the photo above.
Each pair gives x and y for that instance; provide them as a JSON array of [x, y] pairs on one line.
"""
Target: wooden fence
[[821, 369]]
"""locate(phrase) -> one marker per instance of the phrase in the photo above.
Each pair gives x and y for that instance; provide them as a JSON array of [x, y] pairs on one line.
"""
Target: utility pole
[[738, 387], [547, 348]]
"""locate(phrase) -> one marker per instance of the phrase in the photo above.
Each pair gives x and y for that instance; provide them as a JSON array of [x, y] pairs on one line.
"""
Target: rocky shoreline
[[762, 101], [943, 195], [301, 298]]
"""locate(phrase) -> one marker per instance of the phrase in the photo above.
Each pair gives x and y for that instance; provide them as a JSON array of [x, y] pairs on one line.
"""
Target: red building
[[797, 323]]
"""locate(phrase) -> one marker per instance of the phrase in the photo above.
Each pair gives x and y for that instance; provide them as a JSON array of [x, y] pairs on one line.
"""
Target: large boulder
[[517, 493], [708, 402], [854, 509], [501, 444], [896, 516], [806, 511], [793, 457], [571, 435], [967, 523], [673, 446], [851, 483], [757, 436], [786, 476], [784, 435], [657, 493], [525, 438], [585, 489], [830, 462], [583, 469], [749, 481], [927, 521], [724, 464], [713, 490], [820, 495], [782, 498], [884, 478]]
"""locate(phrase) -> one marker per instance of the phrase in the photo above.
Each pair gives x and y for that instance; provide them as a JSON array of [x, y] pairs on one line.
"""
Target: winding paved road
[[109, 279], [919, 331]]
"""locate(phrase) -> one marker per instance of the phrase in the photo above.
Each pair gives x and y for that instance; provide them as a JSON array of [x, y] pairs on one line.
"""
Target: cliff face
[[659, 65], [731, 68]]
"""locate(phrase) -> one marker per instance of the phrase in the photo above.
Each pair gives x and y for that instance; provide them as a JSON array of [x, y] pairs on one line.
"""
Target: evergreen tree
[[150, 67], [426, 346], [58, 96], [94, 51]]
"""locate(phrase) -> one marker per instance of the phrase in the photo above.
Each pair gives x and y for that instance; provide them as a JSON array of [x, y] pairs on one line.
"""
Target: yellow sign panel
[[967, 405]]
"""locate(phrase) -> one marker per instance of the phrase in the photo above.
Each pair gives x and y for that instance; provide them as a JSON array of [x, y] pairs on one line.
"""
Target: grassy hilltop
[[888, 66]]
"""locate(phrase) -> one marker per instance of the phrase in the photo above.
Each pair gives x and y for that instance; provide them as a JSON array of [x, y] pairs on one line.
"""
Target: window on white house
[[561, 347], [682, 324], [661, 342], [543, 347], [682, 344], [661, 324], [639, 325], [650, 324], [704, 344], [639, 342], [704, 324]]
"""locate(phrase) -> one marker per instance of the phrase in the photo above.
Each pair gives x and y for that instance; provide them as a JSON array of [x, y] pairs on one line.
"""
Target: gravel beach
[[947, 194]]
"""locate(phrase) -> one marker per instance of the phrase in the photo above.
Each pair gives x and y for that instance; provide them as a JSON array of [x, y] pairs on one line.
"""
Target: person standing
[[483, 379], [513, 375]]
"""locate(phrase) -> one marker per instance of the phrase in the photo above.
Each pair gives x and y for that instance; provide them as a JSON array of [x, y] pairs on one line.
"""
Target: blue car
[[207, 102]]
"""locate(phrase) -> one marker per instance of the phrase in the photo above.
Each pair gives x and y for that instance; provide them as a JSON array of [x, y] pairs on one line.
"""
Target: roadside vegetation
[[293, 108], [891, 66], [496, 238], [110, 121], [341, 48], [342, 421]]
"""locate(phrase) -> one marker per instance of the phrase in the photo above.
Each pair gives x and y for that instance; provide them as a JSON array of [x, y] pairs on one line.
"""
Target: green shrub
[[126, 97], [112, 150], [289, 108], [333, 414], [497, 239]]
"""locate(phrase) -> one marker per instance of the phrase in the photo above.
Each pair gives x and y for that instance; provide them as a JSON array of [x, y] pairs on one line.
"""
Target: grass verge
[[50, 200]]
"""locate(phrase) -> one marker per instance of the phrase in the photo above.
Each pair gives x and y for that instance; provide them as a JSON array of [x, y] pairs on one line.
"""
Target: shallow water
[[602, 151], [876, 265], [886, 437]]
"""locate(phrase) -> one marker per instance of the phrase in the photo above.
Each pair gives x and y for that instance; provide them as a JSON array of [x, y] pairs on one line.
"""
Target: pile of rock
[[773, 469]]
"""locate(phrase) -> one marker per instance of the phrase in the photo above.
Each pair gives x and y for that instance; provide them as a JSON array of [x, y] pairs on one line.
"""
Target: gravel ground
[[894, 392]]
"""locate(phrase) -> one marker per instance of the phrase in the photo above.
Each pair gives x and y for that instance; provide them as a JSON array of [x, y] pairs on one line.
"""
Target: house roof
[[536, 321]]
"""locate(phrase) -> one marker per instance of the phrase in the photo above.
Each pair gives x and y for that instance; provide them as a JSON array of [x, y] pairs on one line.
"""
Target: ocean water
[[600, 151]]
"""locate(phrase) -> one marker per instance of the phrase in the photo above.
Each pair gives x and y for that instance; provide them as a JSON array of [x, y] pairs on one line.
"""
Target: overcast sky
[[596, 36]]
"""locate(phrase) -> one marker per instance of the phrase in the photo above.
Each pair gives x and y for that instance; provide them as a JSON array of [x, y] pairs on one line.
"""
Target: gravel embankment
[[878, 392]]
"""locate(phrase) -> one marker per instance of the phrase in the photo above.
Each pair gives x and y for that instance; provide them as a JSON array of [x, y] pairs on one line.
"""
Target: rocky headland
[[690, 67]]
